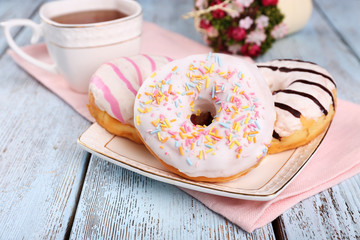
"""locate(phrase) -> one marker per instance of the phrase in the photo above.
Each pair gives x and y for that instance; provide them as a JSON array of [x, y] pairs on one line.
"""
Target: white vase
[[296, 12]]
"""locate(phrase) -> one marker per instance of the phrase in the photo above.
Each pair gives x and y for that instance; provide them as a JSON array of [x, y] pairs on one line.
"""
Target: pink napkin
[[337, 159]]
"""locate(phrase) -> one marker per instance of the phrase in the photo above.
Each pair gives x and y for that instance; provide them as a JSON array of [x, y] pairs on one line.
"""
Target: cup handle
[[37, 32]]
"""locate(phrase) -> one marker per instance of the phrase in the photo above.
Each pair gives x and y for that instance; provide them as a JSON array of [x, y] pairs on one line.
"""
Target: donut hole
[[204, 112], [203, 119]]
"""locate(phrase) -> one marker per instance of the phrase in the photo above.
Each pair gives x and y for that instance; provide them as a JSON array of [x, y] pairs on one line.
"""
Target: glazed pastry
[[305, 101], [206, 117], [113, 88]]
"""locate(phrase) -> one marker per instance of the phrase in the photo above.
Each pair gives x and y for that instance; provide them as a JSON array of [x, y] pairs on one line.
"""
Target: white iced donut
[[305, 100], [173, 107], [113, 88]]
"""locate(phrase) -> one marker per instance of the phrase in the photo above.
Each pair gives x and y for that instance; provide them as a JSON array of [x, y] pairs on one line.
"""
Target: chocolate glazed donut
[[305, 101]]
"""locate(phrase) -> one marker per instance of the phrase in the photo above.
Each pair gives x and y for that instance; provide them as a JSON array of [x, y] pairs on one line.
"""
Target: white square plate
[[263, 183]]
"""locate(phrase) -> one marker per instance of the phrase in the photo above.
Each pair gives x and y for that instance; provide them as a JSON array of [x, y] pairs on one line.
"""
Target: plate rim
[[188, 184]]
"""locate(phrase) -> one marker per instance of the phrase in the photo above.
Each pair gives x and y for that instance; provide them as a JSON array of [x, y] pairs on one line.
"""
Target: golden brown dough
[[305, 101], [111, 124], [311, 129]]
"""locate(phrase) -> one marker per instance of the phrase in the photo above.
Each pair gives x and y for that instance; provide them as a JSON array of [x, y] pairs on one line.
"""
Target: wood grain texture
[[331, 214], [117, 203], [345, 26], [41, 166], [168, 14], [42, 170], [334, 213], [316, 42]]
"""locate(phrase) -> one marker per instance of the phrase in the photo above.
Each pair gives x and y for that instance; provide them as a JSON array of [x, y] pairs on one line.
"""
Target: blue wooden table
[[50, 188]]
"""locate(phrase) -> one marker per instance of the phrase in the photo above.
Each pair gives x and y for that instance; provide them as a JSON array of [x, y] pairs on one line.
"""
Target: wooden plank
[[168, 14], [41, 166], [16, 9], [336, 210], [347, 27], [331, 214], [117, 203]]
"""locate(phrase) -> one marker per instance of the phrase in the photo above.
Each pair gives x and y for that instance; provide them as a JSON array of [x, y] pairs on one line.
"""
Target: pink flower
[[257, 36], [269, 2], [212, 32], [254, 50], [262, 21], [246, 22], [234, 48], [201, 4], [235, 11], [237, 33], [245, 3], [244, 49], [238, 6], [205, 24], [279, 31], [218, 14], [206, 28], [250, 50]]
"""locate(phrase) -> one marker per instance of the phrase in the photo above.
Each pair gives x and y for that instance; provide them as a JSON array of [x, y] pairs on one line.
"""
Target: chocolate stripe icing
[[291, 110], [318, 85], [287, 70], [289, 91], [276, 135], [295, 60], [274, 68]]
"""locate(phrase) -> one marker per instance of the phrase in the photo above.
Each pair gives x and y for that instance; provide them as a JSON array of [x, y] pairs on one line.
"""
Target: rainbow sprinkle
[[236, 124]]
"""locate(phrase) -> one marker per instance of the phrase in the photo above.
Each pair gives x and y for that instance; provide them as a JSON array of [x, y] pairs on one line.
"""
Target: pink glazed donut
[[206, 117], [113, 88]]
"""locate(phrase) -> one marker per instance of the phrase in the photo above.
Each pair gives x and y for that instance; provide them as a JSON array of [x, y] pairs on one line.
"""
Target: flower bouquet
[[246, 27]]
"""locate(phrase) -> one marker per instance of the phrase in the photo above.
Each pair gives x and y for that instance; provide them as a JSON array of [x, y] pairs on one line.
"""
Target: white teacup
[[77, 50]]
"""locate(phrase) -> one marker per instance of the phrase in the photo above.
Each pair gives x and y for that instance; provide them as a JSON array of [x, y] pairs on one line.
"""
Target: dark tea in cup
[[88, 17]]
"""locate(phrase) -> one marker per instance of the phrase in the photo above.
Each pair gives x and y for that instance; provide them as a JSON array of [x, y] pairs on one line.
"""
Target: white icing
[[124, 97], [286, 123], [223, 160]]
